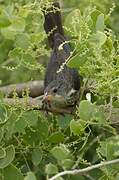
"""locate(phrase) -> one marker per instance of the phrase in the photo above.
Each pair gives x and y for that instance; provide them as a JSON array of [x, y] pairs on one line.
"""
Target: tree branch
[[30, 103], [84, 170], [35, 89], [36, 103]]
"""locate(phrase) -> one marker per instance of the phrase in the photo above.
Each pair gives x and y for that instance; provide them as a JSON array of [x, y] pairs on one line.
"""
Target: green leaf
[[100, 23], [86, 110], [51, 169], [3, 113], [73, 21], [81, 56], [109, 148], [98, 39], [10, 125], [99, 116], [37, 37], [36, 156], [9, 10], [109, 44], [18, 24], [64, 122], [20, 126], [60, 178], [11, 172], [94, 16], [76, 61], [30, 176], [43, 130], [8, 33], [15, 54], [29, 118], [24, 12], [17, 123], [22, 41], [77, 177], [57, 137], [4, 21], [2, 153], [60, 152], [10, 154], [28, 59], [37, 134], [5, 47], [67, 163], [1, 134], [76, 127], [117, 177]]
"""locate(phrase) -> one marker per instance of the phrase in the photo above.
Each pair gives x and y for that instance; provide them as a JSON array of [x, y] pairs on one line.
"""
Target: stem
[[84, 170]]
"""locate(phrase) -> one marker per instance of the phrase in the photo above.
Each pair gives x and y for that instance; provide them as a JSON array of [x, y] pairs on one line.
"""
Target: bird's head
[[59, 97]]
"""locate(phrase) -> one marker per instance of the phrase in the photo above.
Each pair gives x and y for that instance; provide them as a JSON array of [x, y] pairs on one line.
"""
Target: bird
[[61, 89]]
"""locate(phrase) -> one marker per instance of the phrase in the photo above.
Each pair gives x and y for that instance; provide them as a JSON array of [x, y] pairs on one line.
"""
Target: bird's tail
[[53, 22]]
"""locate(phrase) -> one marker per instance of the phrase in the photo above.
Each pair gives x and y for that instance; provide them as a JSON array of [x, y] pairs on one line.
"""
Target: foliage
[[33, 146]]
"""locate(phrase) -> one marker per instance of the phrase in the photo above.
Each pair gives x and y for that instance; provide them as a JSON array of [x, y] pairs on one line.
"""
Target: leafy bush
[[34, 146]]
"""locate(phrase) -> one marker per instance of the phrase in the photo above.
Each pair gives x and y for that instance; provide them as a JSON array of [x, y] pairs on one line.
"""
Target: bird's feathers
[[68, 78], [53, 24]]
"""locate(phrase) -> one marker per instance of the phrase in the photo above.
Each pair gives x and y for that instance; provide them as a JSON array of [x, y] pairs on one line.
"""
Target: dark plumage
[[66, 83]]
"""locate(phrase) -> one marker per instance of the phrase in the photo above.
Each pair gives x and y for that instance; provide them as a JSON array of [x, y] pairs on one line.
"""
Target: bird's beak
[[47, 98]]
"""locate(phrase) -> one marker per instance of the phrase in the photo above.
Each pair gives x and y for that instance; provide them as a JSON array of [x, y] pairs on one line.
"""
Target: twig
[[84, 170], [23, 154], [83, 89], [110, 106], [114, 117], [86, 149]]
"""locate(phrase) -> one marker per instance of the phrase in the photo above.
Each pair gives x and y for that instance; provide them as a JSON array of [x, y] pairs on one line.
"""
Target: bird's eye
[[54, 90]]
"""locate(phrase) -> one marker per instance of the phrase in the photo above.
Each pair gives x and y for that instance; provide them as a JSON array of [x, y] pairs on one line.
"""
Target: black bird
[[61, 89]]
